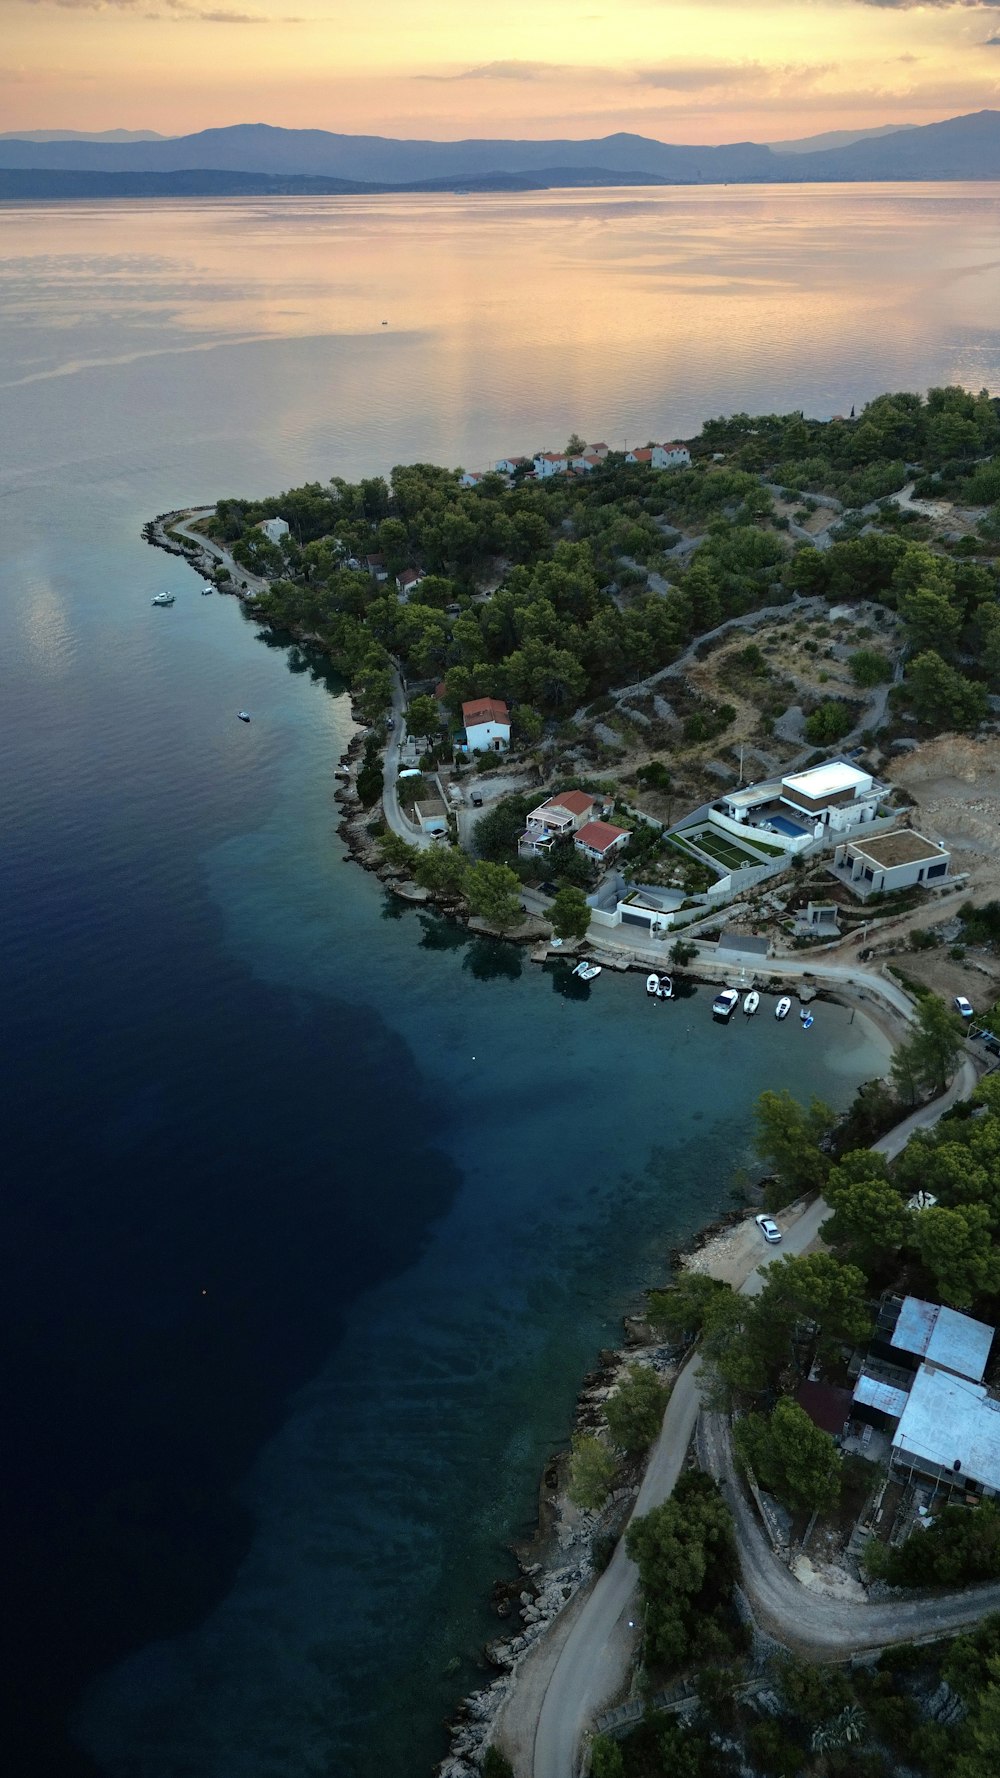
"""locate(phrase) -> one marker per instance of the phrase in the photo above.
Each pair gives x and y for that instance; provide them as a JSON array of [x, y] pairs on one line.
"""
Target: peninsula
[[724, 705]]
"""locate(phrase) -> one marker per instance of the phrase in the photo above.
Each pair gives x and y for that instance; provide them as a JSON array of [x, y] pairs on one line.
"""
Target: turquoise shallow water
[[317, 1212]]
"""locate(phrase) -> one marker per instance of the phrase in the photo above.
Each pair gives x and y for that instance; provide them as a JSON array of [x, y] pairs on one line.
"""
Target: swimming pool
[[781, 824]]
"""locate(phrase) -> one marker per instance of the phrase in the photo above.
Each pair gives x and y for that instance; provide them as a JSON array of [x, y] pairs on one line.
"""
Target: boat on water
[[751, 1003], [207, 587], [807, 1020], [652, 984], [243, 715], [725, 1004], [163, 599], [783, 1007], [587, 971], [665, 991]]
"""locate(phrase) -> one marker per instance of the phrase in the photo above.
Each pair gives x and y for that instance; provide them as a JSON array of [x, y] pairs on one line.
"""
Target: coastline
[[560, 1560]]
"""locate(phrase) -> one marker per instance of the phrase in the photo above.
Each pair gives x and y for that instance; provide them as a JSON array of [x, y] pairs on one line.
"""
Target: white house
[[671, 456], [507, 465], [471, 478], [836, 794], [590, 460], [600, 841], [275, 529], [377, 568], [408, 580], [558, 819], [899, 860], [487, 725], [645, 455], [550, 463]]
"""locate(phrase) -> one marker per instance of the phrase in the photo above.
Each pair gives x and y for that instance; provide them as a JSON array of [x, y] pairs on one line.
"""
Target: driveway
[[395, 819]]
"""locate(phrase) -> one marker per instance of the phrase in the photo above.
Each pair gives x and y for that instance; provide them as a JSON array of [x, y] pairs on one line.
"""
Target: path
[[596, 1656], [184, 528], [395, 819]]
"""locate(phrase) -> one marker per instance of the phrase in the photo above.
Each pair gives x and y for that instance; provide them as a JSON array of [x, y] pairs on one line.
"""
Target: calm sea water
[[314, 1213]]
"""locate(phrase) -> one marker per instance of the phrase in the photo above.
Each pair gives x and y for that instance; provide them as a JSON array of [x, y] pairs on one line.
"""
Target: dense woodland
[[538, 592]]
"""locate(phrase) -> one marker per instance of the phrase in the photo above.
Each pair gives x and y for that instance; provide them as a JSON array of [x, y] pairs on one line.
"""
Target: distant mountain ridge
[[960, 148]]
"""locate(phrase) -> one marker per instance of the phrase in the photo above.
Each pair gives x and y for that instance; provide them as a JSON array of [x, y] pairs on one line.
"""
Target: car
[[768, 1229], [476, 799], [547, 889], [963, 1006]]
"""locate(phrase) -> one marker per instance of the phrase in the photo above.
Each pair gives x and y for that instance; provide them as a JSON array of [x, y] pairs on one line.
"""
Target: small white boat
[[243, 715], [751, 1003], [587, 971], [163, 599], [807, 1020], [652, 984], [665, 991], [783, 1007], [725, 1003], [207, 587]]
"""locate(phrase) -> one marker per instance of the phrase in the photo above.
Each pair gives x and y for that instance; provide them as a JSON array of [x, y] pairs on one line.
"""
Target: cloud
[[189, 11], [677, 77], [992, 43], [510, 71]]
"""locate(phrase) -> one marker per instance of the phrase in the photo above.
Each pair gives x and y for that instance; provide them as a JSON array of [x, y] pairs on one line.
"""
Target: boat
[[665, 991], [163, 599], [783, 1007], [587, 971], [207, 587], [807, 1020], [243, 715], [725, 1003], [652, 984], [751, 1003]]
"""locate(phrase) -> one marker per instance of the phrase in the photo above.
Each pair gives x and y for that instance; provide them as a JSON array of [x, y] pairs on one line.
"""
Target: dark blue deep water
[[313, 1213]]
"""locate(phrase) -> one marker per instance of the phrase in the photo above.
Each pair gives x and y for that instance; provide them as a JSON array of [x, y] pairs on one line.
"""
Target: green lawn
[[728, 853]]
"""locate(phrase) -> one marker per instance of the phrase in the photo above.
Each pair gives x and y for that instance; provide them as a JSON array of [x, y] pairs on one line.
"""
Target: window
[[937, 870]]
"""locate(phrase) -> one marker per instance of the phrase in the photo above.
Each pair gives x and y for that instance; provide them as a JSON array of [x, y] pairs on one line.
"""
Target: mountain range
[[251, 158]]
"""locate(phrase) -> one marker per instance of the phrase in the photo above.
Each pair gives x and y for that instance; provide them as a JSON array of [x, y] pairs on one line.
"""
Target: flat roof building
[[897, 860], [946, 1339], [949, 1431]]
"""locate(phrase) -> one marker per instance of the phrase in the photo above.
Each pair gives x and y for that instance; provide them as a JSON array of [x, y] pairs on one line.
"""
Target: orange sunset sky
[[709, 72]]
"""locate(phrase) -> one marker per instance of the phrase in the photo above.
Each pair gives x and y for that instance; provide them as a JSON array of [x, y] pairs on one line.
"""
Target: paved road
[[394, 816], [596, 1656], [183, 527]]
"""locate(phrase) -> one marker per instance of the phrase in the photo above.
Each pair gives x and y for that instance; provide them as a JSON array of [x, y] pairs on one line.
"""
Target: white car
[[963, 1006], [768, 1229]]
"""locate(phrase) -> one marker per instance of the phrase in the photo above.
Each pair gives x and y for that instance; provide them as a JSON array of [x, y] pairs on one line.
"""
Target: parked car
[[768, 1229], [963, 1006], [476, 799]]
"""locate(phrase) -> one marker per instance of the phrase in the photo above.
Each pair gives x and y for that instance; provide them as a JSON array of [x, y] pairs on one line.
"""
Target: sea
[[314, 1210]]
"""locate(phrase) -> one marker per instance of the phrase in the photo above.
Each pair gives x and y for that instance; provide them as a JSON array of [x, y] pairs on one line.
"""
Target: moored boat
[[783, 1007], [652, 984], [807, 1019], [665, 991], [751, 1003], [587, 971], [725, 1004], [163, 599], [243, 715]]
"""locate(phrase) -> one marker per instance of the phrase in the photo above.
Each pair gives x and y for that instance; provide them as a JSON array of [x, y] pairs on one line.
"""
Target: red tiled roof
[[643, 456], [552, 456], [409, 576], [674, 446], [599, 835], [484, 710], [440, 690], [575, 802]]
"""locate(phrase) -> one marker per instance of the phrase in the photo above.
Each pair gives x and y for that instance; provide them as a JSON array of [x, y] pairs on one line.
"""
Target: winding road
[[596, 1656]]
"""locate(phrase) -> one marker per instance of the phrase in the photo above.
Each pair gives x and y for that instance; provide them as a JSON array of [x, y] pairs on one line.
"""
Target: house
[[487, 725], [408, 581], [275, 529], [550, 463], [600, 449], [837, 794], [910, 1331], [471, 478], [590, 460], [600, 841], [949, 1431], [898, 860], [671, 456], [377, 568], [508, 465], [431, 814], [558, 819], [828, 1406], [643, 456]]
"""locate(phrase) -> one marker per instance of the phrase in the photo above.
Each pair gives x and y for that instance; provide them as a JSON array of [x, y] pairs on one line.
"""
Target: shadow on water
[[490, 960], [441, 934], [564, 982]]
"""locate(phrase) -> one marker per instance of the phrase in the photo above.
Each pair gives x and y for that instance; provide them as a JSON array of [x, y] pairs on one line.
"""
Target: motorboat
[[243, 715], [807, 1019], [207, 587], [652, 984], [163, 599], [665, 991], [587, 971], [751, 1003], [725, 1004], [783, 1007]]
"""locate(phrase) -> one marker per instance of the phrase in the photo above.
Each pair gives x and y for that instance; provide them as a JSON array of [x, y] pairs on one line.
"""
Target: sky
[[680, 70]]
